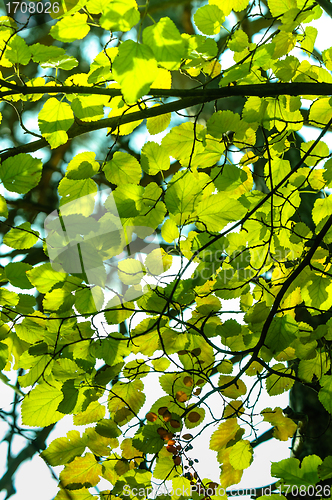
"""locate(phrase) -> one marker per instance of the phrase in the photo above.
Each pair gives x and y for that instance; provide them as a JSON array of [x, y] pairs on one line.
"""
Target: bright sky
[[34, 480]]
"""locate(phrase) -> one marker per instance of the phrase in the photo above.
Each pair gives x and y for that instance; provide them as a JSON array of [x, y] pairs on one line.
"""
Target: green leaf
[[82, 471], [225, 433], [34, 328], [136, 478], [284, 427], [64, 449], [87, 110], [3, 207], [322, 208], [54, 120], [82, 166], [94, 412], [182, 194], [120, 15], [209, 19], [166, 43], [125, 400], [16, 274], [8, 298], [194, 418], [107, 428], [228, 178], [157, 124], [89, 300], [325, 469], [317, 366], [281, 333], [21, 237], [4, 353], [18, 52], [278, 7], [134, 63], [240, 456], [39, 407], [148, 440], [222, 122], [308, 43], [154, 158], [117, 312], [65, 369], [20, 173], [217, 211], [179, 140], [169, 231], [320, 112], [181, 487], [111, 350], [78, 191], [325, 392], [276, 384], [319, 152], [317, 289], [71, 28], [277, 169], [52, 57], [123, 169], [44, 277], [131, 271], [292, 472], [165, 467], [70, 397]]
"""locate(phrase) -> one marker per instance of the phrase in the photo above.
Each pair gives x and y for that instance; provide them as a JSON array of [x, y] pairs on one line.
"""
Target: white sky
[[33, 479]]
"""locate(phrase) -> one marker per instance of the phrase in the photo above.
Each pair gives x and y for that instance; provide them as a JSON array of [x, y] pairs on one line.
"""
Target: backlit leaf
[[82, 471], [54, 120], [21, 173], [71, 28], [134, 62], [39, 407], [225, 433], [240, 456]]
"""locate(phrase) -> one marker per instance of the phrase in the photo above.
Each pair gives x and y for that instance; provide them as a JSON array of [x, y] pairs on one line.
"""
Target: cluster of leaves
[[230, 204]]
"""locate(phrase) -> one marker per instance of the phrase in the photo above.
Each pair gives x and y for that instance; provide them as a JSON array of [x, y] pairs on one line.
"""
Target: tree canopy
[[144, 184]]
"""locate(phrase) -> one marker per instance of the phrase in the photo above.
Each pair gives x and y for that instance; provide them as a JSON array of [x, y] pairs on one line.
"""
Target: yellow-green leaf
[[54, 120], [119, 15], [82, 471], [20, 173], [71, 28], [169, 231], [209, 19], [64, 449], [39, 407], [277, 384], [154, 158], [166, 43], [225, 432], [240, 456], [21, 236], [94, 412], [123, 169], [284, 427], [135, 62], [82, 166]]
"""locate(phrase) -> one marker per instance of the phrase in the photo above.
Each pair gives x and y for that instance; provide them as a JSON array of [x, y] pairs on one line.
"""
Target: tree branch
[[6, 482], [205, 93], [194, 97]]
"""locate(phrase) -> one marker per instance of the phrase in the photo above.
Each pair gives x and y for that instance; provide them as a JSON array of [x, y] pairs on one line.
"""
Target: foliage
[[225, 191]]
